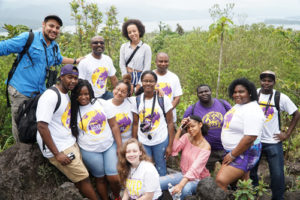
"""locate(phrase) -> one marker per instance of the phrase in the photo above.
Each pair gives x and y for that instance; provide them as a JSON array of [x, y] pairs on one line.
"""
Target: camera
[[71, 156], [146, 126], [184, 126]]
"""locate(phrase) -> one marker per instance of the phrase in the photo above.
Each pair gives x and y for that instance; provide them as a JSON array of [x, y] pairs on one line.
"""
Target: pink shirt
[[193, 158]]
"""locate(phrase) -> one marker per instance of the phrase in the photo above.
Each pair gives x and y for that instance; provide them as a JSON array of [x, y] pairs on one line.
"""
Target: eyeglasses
[[98, 42], [148, 81]]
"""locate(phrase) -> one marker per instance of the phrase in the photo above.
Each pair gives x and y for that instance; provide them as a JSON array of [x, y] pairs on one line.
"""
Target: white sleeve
[[177, 87], [122, 62], [107, 107], [112, 69], [147, 58], [81, 70], [253, 121], [46, 106], [134, 106], [168, 104], [286, 104]]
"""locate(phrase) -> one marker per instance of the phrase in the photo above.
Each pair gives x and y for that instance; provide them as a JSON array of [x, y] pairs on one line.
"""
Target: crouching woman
[[195, 153]]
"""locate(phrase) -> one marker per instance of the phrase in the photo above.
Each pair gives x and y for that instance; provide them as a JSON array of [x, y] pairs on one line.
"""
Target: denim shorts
[[101, 163], [247, 160]]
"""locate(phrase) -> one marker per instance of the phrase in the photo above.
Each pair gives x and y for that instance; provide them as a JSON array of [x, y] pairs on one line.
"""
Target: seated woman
[[137, 174], [195, 153], [241, 133], [98, 137]]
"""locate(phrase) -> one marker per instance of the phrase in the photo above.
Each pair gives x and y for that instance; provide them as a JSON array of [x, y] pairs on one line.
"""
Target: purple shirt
[[214, 117]]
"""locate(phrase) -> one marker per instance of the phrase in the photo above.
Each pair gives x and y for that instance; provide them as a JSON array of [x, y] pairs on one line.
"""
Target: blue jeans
[[107, 95], [157, 152], [174, 179], [101, 163], [274, 154]]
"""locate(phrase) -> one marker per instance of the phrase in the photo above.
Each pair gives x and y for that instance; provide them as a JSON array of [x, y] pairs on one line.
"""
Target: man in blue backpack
[[30, 72], [272, 103]]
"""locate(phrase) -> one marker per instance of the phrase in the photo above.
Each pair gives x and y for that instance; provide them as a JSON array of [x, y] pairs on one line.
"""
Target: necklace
[[133, 170]]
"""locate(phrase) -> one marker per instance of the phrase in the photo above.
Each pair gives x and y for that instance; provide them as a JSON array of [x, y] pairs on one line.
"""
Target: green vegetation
[[250, 50]]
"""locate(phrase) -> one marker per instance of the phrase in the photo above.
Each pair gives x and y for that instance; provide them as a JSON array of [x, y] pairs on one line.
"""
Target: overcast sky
[[189, 13]]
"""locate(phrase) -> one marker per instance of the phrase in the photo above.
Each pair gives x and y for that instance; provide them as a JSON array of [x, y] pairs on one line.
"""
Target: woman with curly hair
[[241, 133], [135, 56], [98, 137], [137, 174]]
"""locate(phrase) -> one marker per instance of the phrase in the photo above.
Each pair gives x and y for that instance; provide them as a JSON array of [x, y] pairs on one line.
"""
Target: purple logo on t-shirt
[[99, 77], [123, 122], [213, 119], [228, 117], [270, 112], [93, 122]]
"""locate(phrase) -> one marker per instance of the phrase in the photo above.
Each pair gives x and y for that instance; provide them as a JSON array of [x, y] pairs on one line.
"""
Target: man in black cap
[[272, 103], [30, 74], [53, 124]]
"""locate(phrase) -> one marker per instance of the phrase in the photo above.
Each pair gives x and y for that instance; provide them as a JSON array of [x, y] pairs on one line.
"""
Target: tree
[[179, 29], [218, 30]]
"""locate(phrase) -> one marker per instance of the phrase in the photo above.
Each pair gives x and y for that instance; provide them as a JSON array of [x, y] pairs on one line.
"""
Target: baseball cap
[[55, 17], [268, 73], [68, 69]]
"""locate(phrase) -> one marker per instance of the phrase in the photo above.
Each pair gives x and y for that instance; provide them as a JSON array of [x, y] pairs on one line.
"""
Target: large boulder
[[207, 189], [26, 174]]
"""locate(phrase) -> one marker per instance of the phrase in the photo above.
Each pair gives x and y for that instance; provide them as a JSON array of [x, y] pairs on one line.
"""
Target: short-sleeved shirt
[[123, 116], [58, 122], [240, 120], [30, 76], [97, 71], [143, 179], [271, 125], [193, 158], [95, 134], [214, 117], [141, 60], [159, 130], [170, 84]]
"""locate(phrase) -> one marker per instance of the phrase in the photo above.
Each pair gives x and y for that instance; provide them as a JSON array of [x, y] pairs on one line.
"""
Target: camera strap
[[153, 105]]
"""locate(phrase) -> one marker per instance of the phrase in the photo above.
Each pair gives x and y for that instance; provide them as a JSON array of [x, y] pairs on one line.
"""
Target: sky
[[188, 13]]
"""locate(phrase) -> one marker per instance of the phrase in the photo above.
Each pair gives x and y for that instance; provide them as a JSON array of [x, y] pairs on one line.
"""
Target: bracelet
[[233, 157], [74, 61]]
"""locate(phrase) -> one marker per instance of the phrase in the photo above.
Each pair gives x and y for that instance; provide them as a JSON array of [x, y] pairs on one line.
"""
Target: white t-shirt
[[58, 122], [159, 131], [124, 117], [271, 125], [170, 84], [143, 179], [95, 134], [96, 71], [240, 120]]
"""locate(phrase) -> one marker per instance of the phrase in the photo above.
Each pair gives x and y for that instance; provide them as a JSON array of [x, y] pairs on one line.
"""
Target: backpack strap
[[17, 61], [138, 102], [277, 103], [193, 109], [162, 105], [223, 103]]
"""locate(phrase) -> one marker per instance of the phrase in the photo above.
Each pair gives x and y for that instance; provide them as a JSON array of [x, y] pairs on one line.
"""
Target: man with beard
[[54, 135], [270, 101], [97, 67], [211, 111], [30, 75]]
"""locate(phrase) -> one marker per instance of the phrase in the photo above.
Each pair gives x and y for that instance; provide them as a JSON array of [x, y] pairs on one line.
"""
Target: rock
[[207, 189], [26, 174], [292, 195], [191, 198]]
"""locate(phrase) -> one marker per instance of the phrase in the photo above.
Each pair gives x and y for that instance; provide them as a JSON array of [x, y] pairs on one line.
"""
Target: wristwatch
[[74, 61]]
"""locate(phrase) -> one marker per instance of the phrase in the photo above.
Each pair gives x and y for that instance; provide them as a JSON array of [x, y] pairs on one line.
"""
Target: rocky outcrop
[[26, 174]]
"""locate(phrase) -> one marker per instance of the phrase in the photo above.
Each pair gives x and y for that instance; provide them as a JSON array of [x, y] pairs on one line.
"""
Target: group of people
[[125, 140]]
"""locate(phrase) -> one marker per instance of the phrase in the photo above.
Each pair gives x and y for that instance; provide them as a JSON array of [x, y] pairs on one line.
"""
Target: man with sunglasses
[[97, 68]]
